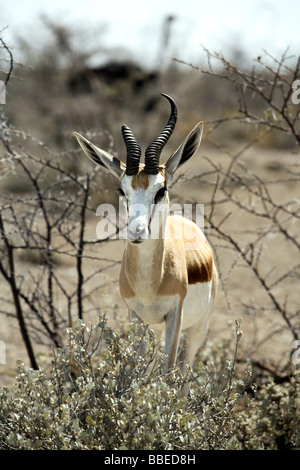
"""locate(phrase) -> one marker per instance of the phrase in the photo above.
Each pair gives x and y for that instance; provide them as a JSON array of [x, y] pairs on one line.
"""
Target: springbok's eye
[[121, 192], [160, 194]]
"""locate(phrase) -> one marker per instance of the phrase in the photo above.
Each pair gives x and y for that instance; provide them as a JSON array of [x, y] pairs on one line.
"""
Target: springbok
[[161, 274]]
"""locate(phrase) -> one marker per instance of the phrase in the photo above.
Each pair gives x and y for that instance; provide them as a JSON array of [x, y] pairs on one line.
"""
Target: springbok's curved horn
[[154, 149], [133, 151]]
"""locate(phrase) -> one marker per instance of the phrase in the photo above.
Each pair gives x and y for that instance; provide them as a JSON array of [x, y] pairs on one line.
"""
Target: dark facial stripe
[[140, 180]]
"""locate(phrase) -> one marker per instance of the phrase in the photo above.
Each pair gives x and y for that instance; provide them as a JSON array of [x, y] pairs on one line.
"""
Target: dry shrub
[[118, 400]]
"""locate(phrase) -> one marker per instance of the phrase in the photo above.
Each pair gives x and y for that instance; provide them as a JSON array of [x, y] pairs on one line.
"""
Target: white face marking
[[141, 202]]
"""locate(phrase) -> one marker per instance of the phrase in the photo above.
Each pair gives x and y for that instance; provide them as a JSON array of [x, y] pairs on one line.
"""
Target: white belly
[[196, 305]]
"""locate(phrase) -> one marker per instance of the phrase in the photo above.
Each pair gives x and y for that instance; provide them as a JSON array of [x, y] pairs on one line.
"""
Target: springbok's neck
[[148, 249], [145, 261]]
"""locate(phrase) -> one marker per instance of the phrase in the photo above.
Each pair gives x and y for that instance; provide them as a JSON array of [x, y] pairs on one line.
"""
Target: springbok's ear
[[100, 157], [186, 150]]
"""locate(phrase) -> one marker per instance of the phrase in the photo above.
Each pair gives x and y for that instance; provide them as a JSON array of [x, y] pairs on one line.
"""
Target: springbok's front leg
[[172, 334]]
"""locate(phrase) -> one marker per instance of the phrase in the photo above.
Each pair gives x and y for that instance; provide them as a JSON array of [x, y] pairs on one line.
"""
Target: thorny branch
[[270, 85], [239, 194], [39, 230], [11, 60]]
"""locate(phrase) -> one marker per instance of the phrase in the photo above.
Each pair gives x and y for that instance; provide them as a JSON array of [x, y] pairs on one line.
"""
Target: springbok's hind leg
[[195, 339], [172, 334]]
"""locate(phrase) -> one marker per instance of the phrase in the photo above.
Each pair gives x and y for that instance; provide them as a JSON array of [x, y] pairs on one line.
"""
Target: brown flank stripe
[[200, 269]]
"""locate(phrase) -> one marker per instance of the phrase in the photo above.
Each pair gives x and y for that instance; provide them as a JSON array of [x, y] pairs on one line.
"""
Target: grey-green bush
[[101, 395]]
